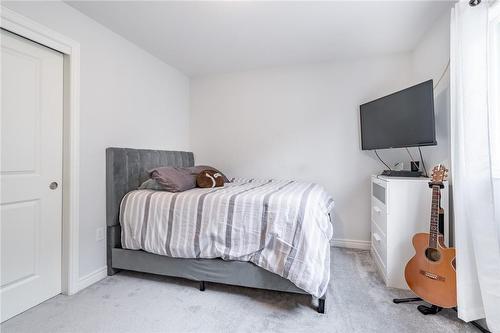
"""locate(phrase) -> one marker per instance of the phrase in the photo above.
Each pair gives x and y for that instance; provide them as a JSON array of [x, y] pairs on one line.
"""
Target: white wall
[[292, 122], [430, 58], [428, 61], [302, 122], [128, 99], [298, 122]]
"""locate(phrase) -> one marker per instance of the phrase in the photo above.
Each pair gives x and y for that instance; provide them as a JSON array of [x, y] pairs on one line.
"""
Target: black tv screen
[[401, 119]]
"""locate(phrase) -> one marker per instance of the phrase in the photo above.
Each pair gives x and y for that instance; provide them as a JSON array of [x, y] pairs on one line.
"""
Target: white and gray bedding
[[281, 226]]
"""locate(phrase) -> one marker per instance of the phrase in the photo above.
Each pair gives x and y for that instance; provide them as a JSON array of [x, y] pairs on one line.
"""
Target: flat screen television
[[402, 119]]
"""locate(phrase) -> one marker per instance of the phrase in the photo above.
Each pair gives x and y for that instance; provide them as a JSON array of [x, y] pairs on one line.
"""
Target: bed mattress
[[282, 226]]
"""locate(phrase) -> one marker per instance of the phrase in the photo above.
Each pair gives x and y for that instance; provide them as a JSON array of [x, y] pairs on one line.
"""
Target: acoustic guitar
[[430, 274]]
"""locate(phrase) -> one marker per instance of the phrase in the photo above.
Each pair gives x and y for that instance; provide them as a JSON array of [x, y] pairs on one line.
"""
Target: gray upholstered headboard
[[126, 169]]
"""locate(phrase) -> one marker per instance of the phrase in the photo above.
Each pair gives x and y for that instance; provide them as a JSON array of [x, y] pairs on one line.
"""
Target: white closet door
[[31, 160]]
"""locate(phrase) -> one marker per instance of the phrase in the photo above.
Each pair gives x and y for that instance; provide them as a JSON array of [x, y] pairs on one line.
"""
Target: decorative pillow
[[151, 184], [173, 179], [199, 168], [210, 178]]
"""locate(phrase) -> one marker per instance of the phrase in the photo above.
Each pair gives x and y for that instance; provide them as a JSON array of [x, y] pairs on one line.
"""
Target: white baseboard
[[93, 277], [351, 243]]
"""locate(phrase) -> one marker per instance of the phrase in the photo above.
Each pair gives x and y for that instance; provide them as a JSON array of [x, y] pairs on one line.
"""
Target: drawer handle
[[376, 237], [377, 210]]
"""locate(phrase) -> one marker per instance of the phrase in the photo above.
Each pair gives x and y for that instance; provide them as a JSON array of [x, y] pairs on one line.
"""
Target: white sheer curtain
[[477, 237]]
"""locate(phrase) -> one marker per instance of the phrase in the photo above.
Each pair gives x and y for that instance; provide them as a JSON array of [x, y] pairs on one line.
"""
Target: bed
[[192, 242]]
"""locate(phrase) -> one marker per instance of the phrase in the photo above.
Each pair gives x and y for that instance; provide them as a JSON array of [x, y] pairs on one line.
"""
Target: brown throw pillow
[[210, 178]]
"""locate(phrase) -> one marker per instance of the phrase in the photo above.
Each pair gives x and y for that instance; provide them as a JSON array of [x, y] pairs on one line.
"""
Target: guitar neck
[[434, 225]]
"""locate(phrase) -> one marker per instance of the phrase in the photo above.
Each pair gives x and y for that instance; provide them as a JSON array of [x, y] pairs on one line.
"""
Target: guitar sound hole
[[432, 254]]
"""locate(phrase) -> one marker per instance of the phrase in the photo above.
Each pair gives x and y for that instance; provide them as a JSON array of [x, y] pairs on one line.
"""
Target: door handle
[[53, 185]]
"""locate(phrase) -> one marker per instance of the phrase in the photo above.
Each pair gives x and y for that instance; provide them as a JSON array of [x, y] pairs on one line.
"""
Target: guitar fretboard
[[434, 226]]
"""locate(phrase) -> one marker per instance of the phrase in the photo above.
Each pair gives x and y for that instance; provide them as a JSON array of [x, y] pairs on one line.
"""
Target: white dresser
[[401, 207]]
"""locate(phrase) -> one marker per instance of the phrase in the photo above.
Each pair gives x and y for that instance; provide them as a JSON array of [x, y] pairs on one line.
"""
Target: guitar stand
[[424, 309], [433, 309]]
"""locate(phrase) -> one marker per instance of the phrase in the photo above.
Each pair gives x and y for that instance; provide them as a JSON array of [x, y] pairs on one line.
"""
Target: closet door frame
[[27, 28]]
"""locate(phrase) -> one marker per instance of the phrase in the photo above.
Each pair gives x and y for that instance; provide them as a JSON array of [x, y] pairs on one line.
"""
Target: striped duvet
[[281, 226]]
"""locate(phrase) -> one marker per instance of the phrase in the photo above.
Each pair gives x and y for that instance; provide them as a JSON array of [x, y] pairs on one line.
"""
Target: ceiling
[[201, 38]]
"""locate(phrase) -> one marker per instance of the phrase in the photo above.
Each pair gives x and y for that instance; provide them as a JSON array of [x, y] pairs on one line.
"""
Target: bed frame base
[[321, 305], [216, 270]]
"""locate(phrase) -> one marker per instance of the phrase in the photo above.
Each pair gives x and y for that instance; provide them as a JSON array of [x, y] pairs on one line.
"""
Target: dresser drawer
[[379, 215], [379, 243], [379, 190]]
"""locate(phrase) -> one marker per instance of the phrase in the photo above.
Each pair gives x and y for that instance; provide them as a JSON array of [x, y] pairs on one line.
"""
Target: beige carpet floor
[[357, 301]]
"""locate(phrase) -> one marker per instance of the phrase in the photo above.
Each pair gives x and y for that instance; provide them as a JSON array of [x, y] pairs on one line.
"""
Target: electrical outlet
[[99, 234]]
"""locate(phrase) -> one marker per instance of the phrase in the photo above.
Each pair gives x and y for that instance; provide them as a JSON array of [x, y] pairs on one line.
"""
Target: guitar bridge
[[432, 275]]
